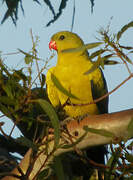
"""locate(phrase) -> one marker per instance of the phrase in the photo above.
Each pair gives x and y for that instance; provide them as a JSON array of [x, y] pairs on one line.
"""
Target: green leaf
[[7, 101], [5, 111], [29, 121], [18, 74], [93, 45], [43, 79], [96, 53], [4, 68], [129, 157], [111, 62], [26, 142], [101, 132], [130, 128], [44, 174], [130, 178], [48, 108], [76, 142], [123, 29], [82, 48], [110, 161], [59, 168], [95, 65], [8, 89], [28, 59], [107, 61], [101, 61], [108, 56], [61, 88]]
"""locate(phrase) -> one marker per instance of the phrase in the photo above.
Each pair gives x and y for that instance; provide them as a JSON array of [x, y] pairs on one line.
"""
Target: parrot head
[[65, 40]]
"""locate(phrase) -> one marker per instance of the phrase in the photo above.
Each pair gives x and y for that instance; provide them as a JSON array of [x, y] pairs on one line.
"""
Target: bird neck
[[65, 59]]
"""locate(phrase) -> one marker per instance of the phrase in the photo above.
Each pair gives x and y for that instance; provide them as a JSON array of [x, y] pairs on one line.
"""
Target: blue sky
[[86, 25]]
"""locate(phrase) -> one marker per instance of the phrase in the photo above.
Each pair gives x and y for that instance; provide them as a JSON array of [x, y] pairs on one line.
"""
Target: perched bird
[[70, 71]]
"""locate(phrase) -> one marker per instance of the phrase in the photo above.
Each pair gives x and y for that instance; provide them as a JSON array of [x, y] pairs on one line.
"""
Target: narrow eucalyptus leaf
[[96, 53], [61, 88], [26, 142], [74, 50], [95, 65], [82, 48], [29, 55], [111, 62], [19, 75], [123, 29], [43, 79], [48, 108], [93, 45], [43, 174], [59, 168], [129, 157], [76, 142], [6, 100], [101, 132], [8, 89], [28, 59]]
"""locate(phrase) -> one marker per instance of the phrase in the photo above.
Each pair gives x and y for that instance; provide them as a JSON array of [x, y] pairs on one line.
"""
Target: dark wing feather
[[97, 92], [99, 89]]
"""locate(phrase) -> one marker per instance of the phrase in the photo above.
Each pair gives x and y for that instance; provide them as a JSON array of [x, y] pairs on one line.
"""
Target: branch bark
[[116, 123]]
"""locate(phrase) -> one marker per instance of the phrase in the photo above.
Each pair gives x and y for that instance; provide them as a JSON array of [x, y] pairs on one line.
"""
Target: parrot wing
[[98, 90]]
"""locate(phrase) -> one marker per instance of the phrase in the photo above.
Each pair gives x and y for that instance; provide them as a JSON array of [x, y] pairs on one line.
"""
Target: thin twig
[[11, 53], [4, 134], [12, 130], [119, 55], [34, 53], [2, 116], [42, 166], [117, 87], [46, 62]]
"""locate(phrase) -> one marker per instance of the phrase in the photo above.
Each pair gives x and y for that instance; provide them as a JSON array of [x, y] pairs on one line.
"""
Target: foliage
[[12, 10], [13, 7], [27, 105]]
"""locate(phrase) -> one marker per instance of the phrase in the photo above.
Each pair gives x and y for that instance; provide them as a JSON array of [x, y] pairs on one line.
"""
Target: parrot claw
[[80, 118], [66, 120]]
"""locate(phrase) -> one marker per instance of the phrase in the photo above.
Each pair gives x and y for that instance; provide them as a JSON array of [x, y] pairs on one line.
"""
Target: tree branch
[[116, 124]]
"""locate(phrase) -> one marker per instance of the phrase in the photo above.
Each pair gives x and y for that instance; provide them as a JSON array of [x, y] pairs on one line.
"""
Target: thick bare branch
[[117, 124]]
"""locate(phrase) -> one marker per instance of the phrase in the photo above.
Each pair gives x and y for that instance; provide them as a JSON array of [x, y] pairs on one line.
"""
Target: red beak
[[52, 45]]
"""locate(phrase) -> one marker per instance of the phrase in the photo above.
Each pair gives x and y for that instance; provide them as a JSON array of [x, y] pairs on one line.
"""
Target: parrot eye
[[62, 37]]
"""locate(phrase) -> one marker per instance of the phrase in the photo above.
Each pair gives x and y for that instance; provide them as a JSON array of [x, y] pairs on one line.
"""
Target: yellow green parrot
[[70, 72]]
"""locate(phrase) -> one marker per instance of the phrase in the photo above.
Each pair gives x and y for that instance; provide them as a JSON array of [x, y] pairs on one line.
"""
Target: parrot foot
[[81, 117], [67, 120]]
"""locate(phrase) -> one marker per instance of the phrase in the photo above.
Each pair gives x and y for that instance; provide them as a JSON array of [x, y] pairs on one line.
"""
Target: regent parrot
[[70, 72]]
